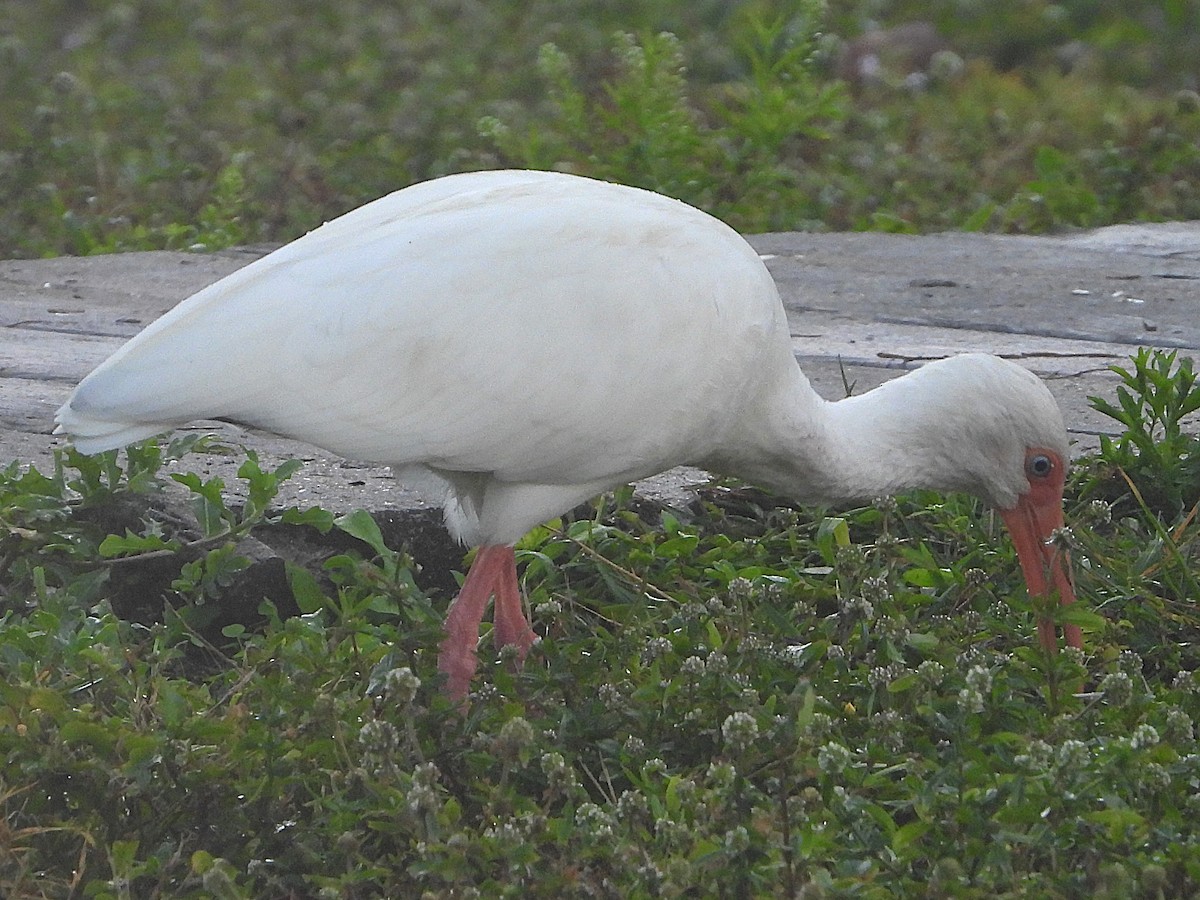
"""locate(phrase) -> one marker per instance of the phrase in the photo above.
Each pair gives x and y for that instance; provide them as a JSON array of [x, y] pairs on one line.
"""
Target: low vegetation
[[739, 699], [139, 125]]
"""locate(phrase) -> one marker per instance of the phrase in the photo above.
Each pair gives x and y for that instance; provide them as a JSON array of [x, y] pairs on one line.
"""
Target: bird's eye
[[1039, 465]]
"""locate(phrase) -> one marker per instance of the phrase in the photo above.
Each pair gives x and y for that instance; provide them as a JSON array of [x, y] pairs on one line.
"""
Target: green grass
[[749, 700], [140, 125]]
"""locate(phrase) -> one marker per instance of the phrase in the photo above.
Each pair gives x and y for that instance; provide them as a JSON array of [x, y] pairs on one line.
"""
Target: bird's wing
[[540, 327]]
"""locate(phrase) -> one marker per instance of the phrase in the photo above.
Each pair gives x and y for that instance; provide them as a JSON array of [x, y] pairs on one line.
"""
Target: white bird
[[532, 339]]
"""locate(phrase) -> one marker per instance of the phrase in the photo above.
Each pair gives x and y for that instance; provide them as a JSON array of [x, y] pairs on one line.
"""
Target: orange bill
[[1044, 563]]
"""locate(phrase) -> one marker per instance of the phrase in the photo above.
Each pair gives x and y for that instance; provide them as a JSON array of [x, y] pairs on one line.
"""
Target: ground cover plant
[[739, 699]]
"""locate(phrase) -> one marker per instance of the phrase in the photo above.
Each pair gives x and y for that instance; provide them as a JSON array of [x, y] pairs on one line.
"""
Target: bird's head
[[1011, 448], [974, 423], [1035, 521]]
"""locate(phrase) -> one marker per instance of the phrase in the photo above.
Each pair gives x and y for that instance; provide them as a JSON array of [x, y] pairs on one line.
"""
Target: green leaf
[[122, 855], [804, 715], [676, 547], [210, 515], [903, 683], [922, 641], [207, 505], [1075, 614], [909, 834], [715, 641], [832, 533], [704, 849], [131, 544], [77, 731], [674, 803], [141, 749], [173, 705], [835, 528], [314, 517], [881, 818], [305, 588], [921, 577], [359, 524], [1123, 824], [48, 700]]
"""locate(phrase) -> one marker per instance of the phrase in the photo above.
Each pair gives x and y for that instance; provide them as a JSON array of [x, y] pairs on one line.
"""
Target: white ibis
[[532, 339]]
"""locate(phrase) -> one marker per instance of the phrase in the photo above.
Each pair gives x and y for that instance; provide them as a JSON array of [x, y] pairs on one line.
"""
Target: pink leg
[[493, 573], [511, 626]]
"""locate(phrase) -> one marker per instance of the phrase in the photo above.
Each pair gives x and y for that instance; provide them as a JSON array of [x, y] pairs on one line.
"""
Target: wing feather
[[541, 327]]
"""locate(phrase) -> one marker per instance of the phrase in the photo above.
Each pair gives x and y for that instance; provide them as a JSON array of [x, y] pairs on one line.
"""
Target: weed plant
[[740, 699]]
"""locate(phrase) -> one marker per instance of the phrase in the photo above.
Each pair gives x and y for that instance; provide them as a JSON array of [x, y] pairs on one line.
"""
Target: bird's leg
[[457, 657], [493, 573], [511, 626]]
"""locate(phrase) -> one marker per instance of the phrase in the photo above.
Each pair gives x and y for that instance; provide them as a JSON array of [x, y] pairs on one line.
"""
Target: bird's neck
[[893, 439], [880, 443]]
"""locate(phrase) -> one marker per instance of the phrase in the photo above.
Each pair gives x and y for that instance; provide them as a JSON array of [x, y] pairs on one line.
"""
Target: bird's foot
[[492, 574], [457, 662], [512, 630]]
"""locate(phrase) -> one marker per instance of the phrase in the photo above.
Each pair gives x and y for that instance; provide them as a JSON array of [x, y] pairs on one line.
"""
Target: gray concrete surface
[[862, 308]]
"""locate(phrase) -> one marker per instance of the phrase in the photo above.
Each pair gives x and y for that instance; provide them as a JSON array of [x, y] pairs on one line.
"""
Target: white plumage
[[534, 339]]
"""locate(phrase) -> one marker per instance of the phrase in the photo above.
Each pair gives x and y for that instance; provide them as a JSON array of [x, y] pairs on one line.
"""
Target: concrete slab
[[862, 308]]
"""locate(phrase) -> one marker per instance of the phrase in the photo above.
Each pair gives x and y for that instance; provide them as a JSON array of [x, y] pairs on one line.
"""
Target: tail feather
[[91, 435]]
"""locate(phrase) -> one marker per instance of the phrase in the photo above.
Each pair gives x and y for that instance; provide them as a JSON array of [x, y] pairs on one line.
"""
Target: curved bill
[[1045, 564]]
